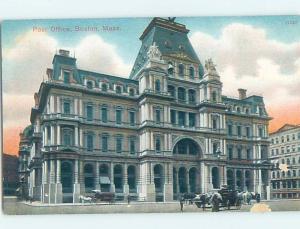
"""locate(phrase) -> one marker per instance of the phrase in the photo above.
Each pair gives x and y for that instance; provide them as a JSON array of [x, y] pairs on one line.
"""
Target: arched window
[[89, 84], [104, 87], [181, 94], [89, 177], [289, 173], [66, 77], [215, 177], [158, 178], [182, 179], [157, 85], [238, 110], [282, 174], [67, 177], [192, 96], [131, 178], [118, 178], [171, 90], [131, 92], [273, 174], [181, 70], [294, 160], [118, 89], [191, 72], [104, 178], [157, 144], [288, 161]]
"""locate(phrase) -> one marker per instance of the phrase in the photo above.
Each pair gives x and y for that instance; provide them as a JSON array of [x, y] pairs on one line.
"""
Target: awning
[[104, 180]]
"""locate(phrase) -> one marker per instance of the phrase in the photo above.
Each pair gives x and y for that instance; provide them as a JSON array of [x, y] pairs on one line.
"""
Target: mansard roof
[[286, 127], [171, 39]]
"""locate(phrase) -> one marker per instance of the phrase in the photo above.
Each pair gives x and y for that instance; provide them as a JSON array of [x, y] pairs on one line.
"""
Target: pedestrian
[[128, 199], [257, 197], [181, 201]]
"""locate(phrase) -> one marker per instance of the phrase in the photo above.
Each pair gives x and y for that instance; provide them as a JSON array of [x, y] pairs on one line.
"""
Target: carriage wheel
[[239, 205]]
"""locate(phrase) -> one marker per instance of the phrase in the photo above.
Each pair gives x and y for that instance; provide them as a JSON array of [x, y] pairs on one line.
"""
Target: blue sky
[[126, 40]]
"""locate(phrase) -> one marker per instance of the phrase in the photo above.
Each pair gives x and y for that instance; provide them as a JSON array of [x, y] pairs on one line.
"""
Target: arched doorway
[[193, 180], [159, 182], [230, 179], [239, 178], [67, 181], [182, 180], [248, 181], [215, 177], [131, 178], [187, 146], [89, 177], [118, 178], [104, 178]]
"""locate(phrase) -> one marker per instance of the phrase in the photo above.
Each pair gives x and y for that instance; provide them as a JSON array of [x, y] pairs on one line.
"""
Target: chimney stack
[[242, 93]]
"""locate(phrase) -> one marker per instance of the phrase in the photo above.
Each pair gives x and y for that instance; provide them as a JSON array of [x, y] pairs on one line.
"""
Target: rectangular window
[[67, 107], [104, 143], [132, 118], [229, 129], [132, 146], [118, 116], [157, 115], [119, 145], [248, 132], [157, 145], [248, 154], [230, 153], [89, 113], [90, 143], [181, 118], [260, 132], [173, 116], [66, 77], [104, 114], [239, 131], [239, 151], [192, 120], [214, 123]]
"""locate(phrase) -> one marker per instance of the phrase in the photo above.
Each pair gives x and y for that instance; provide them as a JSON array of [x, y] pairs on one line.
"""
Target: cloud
[[241, 45], [94, 54], [24, 67], [246, 58]]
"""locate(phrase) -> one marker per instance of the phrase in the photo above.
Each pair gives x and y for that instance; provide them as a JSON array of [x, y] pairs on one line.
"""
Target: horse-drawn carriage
[[98, 196], [219, 198]]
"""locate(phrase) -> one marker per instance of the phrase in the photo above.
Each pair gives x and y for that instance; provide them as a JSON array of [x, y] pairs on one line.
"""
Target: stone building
[[285, 156], [165, 130]]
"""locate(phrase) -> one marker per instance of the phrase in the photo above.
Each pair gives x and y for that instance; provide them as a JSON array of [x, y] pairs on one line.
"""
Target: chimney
[[64, 52], [242, 93]]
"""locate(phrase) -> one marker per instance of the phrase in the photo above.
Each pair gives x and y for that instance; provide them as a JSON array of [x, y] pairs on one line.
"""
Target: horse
[[247, 196], [85, 199]]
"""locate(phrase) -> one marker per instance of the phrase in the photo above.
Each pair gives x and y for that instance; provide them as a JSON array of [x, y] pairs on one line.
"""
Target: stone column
[[52, 186], [76, 106], [97, 177], [52, 141], [168, 184], [58, 192], [76, 135], [58, 141], [125, 181], [112, 182], [58, 104], [81, 176], [46, 135], [187, 181], [81, 137], [77, 185]]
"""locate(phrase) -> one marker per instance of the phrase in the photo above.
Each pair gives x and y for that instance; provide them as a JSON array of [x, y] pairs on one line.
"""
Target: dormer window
[[170, 69], [104, 87], [238, 110], [66, 77], [118, 89], [131, 92], [181, 70], [191, 72], [89, 84]]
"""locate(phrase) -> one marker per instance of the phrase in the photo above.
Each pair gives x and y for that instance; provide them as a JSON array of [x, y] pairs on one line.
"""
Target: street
[[12, 207]]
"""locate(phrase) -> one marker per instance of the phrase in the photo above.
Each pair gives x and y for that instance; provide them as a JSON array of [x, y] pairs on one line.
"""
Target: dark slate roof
[[28, 131], [170, 37]]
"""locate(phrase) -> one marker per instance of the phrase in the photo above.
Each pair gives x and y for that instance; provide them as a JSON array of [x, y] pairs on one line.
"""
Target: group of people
[[234, 198]]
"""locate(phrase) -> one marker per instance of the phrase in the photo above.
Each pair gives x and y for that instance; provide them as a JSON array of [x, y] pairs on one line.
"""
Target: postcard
[[151, 115]]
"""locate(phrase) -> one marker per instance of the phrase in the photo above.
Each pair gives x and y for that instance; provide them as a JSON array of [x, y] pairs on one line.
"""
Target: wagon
[[103, 196], [230, 198]]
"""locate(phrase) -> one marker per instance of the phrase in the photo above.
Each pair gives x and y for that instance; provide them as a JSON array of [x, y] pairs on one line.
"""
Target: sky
[[261, 54]]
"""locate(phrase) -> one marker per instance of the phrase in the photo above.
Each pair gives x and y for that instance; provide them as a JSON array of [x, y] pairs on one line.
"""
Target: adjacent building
[[285, 156], [165, 130], [9, 174]]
